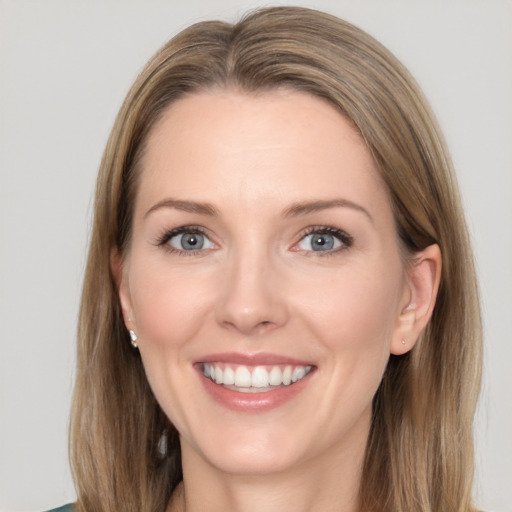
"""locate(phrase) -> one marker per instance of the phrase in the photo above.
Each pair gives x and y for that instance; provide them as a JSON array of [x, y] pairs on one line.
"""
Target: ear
[[424, 275], [118, 266]]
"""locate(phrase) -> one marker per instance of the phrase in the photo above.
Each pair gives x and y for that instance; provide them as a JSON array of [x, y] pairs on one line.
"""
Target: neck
[[327, 484]]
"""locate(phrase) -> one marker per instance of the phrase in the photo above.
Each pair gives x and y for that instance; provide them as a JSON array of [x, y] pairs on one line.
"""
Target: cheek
[[168, 306], [354, 310], [352, 318], [354, 324], [169, 310]]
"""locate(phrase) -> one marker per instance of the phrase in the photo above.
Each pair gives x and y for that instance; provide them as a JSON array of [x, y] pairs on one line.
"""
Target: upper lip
[[258, 359]]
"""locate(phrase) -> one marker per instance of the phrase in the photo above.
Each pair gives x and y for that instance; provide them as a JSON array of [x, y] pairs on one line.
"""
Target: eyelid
[[345, 239], [167, 234], [163, 239]]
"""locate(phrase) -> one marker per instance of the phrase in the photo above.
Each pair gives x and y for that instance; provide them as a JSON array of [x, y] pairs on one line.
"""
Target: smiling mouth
[[254, 379]]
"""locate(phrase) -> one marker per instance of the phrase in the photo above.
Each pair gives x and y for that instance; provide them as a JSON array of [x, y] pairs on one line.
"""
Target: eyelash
[[163, 240], [346, 240]]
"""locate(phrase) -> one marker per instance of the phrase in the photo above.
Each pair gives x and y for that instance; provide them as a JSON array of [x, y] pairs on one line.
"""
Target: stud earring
[[403, 342], [133, 338]]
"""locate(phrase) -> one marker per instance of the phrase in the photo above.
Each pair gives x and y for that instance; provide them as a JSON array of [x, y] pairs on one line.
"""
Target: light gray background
[[65, 67]]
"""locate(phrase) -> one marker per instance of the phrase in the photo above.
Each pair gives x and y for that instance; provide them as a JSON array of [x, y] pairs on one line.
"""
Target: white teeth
[[229, 376], [242, 377], [275, 377], [259, 377], [287, 376], [207, 370], [298, 373]]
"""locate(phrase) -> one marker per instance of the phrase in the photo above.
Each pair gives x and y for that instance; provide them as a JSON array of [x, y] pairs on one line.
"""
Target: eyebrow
[[304, 208], [295, 210], [185, 206]]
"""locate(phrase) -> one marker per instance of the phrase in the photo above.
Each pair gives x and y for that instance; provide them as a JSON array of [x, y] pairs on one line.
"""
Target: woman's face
[[264, 279]]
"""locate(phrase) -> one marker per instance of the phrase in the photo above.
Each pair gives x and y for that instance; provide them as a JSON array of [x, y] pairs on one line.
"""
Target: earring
[[403, 342], [162, 445], [133, 338]]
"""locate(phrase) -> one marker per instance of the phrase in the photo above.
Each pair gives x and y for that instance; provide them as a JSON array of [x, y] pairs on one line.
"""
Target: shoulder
[[65, 508]]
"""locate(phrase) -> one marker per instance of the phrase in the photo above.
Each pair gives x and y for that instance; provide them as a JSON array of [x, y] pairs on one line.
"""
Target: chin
[[252, 452], [253, 462]]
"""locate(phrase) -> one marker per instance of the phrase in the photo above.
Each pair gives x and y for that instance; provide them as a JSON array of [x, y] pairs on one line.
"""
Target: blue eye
[[324, 240], [186, 240]]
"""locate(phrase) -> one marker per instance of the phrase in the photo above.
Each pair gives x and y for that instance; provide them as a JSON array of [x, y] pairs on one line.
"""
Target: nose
[[252, 300]]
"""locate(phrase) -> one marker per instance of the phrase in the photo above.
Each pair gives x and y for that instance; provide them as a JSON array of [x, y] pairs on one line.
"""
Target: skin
[[258, 286]]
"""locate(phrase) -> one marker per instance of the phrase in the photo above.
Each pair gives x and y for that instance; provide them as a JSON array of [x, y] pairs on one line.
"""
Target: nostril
[[264, 326]]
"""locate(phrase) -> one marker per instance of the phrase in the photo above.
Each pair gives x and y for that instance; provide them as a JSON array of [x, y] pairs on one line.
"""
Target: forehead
[[282, 144]]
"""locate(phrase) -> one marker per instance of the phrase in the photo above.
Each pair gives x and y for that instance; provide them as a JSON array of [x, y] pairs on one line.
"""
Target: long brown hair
[[420, 449]]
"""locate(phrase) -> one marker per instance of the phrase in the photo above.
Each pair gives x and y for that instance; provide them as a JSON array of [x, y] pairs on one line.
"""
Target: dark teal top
[[65, 508]]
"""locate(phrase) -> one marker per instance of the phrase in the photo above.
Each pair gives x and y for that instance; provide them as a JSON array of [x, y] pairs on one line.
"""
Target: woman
[[274, 312]]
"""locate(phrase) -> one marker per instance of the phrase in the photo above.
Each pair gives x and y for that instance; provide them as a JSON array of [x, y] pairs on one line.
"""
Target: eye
[[186, 239], [324, 239]]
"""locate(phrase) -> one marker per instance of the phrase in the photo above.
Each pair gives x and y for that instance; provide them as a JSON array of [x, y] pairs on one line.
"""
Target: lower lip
[[253, 402]]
